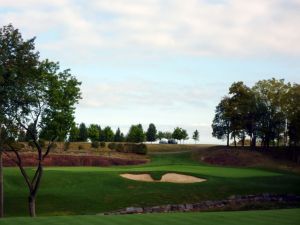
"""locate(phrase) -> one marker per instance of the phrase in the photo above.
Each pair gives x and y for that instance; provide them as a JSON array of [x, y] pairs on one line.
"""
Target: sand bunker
[[168, 177]]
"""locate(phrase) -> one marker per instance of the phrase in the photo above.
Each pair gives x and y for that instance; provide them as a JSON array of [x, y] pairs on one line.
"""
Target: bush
[[111, 145], [66, 145], [136, 148], [31, 144], [140, 149], [80, 147], [95, 144], [54, 146], [18, 146], [102, 144], [119, 147]]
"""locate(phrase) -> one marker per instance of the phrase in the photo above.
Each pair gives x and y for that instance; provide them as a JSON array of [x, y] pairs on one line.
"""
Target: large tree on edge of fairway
[[222, 121], [40, 97], [271, 96], [16, 56], [151, 133]]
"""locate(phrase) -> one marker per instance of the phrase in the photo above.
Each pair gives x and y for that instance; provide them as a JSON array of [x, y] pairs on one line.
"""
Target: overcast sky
[[163, 61]]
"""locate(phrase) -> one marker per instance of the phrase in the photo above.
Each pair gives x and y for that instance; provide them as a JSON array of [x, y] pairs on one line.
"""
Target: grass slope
[[90, 190], [267, 217]]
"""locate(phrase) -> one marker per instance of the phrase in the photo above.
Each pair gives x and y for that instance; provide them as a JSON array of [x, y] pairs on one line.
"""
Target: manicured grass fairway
[[91, 190], [267, 217]]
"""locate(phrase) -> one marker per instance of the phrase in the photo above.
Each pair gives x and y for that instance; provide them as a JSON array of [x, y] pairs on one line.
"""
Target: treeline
[[136, 134], [267, 113], [95, 133]]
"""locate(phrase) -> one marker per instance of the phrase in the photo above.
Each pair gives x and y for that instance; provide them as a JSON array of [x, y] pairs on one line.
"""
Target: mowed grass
[[92, 190], [264, 217]]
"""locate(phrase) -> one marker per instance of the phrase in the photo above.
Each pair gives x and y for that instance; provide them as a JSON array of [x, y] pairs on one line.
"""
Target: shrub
[[140, 149], [119, 147], [95, 144], [31, 144], [102, 144], [18, 146], [54, 146], [66, 145], [136, 148], [80, 147], [111, 145]]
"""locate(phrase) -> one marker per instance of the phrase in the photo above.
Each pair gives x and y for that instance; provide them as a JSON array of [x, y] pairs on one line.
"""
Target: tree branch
[[19, 163]]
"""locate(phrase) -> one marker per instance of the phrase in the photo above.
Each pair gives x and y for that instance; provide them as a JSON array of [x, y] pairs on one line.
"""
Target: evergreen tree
[[83, 133], [151, 133]]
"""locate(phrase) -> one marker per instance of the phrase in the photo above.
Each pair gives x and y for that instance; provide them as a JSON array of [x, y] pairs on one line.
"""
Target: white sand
[[168, 177]]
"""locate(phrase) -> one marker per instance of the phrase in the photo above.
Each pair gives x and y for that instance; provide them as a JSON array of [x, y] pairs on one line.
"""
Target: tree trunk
[[253, 144], [234, 141], [1, 186], [228, 140], [31, 202]]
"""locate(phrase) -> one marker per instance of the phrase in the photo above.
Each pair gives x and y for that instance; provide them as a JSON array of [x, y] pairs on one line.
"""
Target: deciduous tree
[[40, 97]]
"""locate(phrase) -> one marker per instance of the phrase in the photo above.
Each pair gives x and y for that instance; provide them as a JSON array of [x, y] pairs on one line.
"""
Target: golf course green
[[93, 190]]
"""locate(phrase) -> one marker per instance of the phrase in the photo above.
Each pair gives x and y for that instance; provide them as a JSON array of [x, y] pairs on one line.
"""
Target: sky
[[167, 62]]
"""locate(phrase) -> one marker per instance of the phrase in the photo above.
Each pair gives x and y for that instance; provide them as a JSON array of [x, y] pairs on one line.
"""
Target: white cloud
[[146, 94], [226, 28]]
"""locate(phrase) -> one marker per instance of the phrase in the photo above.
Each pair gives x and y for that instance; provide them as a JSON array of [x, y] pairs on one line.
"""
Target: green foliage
[[119, 137], [112, 146], [136, 134], [151, 133], [135, 148], [119, 147], [268, 111], [196, 135], [95, 144], [140, 149], [83, 132], [179, 134], [221, 122], [167, 135], [108, 134], [293, 100], [74, 133], [22, 136], [93, 132]]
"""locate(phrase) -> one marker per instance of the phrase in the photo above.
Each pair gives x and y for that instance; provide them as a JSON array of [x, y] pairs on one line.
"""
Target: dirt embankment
[[246, 157], [30, 159]]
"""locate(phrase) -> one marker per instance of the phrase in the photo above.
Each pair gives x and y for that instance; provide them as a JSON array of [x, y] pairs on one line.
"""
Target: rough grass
[[266, 217], [91, 190]]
